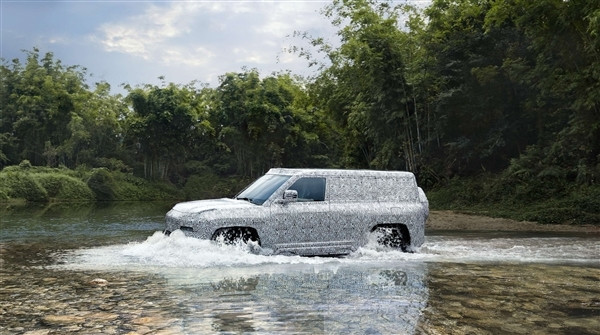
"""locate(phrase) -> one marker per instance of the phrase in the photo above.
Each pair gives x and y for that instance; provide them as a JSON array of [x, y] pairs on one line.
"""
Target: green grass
[[43, 185], [543, 201], [22, 185]]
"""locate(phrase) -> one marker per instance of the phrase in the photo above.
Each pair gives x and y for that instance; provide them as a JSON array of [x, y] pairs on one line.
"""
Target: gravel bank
[[449, 220]]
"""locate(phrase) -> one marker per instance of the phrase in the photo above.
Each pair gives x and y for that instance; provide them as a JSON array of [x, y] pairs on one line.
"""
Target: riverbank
[[451, 220]]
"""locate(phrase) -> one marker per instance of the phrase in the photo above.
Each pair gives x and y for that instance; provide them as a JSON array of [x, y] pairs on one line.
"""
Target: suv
[[312, 212]]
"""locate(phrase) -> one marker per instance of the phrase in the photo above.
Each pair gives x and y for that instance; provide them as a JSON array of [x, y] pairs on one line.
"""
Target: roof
[[340, 172]]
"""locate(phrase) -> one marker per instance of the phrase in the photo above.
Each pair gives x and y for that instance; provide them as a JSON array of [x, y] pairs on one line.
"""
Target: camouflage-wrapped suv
[[312, 212]]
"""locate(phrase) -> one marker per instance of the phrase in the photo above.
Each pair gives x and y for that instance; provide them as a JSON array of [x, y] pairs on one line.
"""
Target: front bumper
[[188, 223]]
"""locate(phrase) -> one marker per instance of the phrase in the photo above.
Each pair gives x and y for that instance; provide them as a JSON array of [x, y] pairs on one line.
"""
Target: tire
[[391, 237], [234, 236]]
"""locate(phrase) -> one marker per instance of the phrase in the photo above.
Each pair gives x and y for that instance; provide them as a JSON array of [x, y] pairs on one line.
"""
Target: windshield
[[259, 191]]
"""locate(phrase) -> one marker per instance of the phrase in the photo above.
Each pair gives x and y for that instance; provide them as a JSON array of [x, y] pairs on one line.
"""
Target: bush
[[51, 183], [102, 184], [129, 187], [25, 165], [23, 185], [3, 193], [63, 187], [544, 199], [459, 193], [211, 186], [113, 164], [39, 184]]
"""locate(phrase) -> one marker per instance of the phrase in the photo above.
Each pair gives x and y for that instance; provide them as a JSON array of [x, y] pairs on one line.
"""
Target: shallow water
[[109, 270]]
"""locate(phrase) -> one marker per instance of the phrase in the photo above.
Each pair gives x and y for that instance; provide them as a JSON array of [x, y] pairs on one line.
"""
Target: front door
[[303, 224]]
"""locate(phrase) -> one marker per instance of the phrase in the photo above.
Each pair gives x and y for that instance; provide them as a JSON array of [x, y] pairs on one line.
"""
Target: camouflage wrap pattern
[[355, 202]]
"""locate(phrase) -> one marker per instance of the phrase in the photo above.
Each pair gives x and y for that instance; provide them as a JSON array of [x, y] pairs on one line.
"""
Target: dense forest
[[492, 104]]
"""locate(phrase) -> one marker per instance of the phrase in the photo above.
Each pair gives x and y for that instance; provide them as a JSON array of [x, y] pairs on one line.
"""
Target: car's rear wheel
[[392, 236]]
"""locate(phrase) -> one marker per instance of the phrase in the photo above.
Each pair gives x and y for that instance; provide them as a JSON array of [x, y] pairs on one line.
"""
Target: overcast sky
[[136, 41]]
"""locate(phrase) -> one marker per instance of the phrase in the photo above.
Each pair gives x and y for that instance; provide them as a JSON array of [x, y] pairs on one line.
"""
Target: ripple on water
[[452, 285], [179, 251]]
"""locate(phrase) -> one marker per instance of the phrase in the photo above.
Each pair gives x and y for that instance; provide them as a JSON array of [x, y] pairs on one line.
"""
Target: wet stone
[[534, 299], [61, 320], [102, 316], [99, 282], [37, 332]]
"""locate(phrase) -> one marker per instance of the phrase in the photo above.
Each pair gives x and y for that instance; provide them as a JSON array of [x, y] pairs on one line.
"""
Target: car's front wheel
[[236, 235]]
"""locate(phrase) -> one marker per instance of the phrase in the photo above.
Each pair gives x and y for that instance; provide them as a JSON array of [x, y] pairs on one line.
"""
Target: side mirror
[[290, 196]]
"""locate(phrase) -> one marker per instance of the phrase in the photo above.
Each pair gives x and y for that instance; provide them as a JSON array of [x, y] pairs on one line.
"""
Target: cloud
[[283, 19], [147, 35], [204, 40], [58, 39], [195, 57], [190, 32]]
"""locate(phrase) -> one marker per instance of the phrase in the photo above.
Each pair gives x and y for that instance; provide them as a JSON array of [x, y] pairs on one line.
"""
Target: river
[[108, 270]]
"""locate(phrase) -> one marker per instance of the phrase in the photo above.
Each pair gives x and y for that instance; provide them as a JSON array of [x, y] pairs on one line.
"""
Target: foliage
[[43, 184], [118, 186], [17, 184], [503, 196], [50, 117], [267, 123], [561, 68], [164, 123], [365, 89], [61, 187], [102, 184], [129, 187], [490, 103], [210, 186]]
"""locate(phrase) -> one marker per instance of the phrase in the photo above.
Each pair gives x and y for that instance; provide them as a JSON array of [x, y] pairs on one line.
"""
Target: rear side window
[[309, 189]]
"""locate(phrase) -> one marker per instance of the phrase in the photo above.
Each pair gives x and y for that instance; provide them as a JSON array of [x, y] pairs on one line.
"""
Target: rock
[[102, 316], [38, 332], [62, 320], [153, 321], [149, 320], [98, 282]]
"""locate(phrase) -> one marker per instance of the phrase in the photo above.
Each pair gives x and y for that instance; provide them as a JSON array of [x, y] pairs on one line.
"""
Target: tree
[[96, 130], [39, 101], [562, 67], [165, 125], [481, 105], [365, 88], [264, 123]]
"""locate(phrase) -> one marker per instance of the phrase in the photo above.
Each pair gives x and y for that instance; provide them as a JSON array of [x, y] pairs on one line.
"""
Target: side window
[[309, 189]]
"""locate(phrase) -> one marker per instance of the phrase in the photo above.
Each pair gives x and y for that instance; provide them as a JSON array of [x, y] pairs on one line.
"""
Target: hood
[[200, 206]]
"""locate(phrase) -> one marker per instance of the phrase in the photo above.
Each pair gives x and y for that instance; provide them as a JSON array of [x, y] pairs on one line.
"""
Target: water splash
[[175, 251], [514, 249], [373, 290], [179, 251]]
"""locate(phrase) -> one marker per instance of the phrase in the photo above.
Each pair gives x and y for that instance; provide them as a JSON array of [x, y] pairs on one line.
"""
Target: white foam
[[527, 250], [179, 251], [174, 251]]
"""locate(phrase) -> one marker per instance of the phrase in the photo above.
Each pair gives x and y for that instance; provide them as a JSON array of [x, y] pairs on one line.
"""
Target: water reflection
[[478, 284], [512, 299], [239, 284], [303, 298], [90, 224]]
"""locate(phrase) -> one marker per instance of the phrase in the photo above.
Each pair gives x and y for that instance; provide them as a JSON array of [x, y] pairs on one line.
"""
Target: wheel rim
[[390, 237]]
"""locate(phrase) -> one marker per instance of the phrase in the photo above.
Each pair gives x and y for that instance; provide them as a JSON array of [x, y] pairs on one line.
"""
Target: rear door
[[352, 204]]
